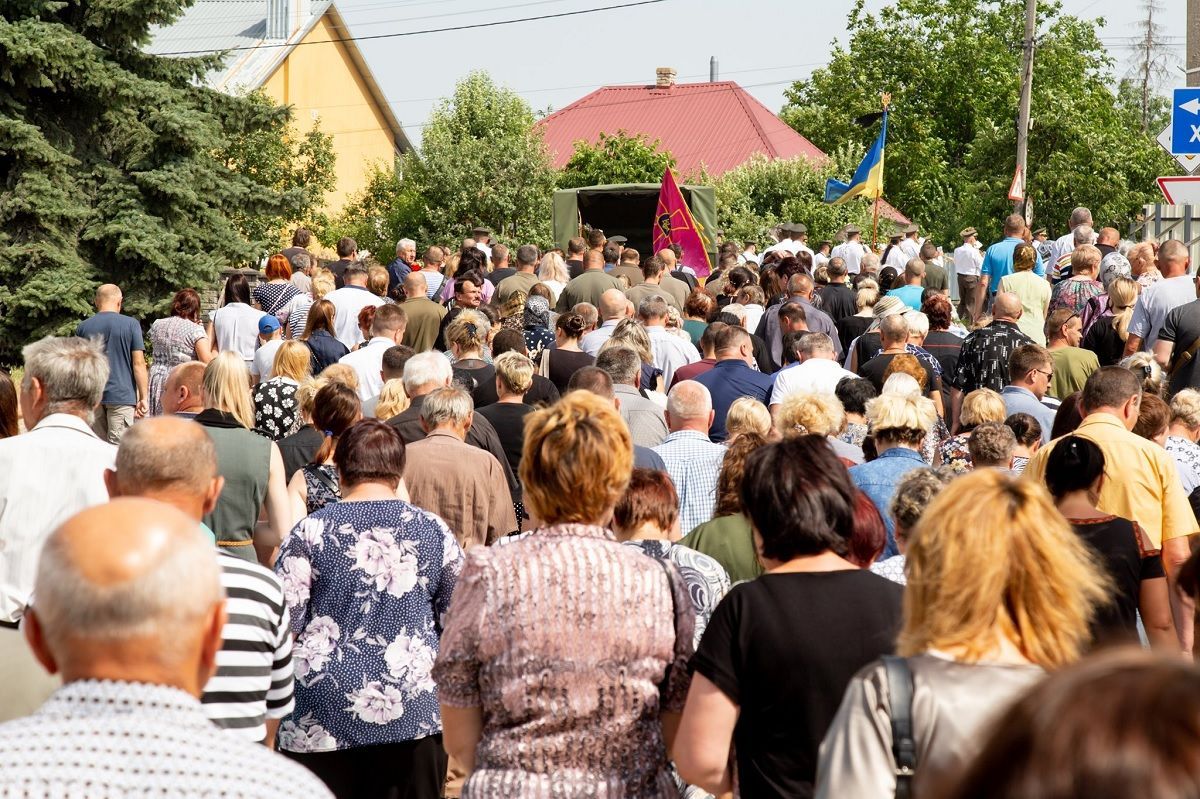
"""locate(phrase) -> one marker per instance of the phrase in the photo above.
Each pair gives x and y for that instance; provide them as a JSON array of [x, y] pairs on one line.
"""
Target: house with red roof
[[717, 124]]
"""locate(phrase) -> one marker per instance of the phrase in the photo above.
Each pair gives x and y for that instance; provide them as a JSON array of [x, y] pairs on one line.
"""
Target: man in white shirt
[[851, 251], [270, 339], [387, 330], [968, 259], [348, 301], [800, 240], [670, 351], [784, 242], [1065, 245], [483, 240], [46, 476], [613, 306], [912, 241], [894, 255], [816, 370]]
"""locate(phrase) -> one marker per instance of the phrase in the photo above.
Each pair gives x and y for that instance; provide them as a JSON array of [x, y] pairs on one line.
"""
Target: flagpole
[[886, 97]]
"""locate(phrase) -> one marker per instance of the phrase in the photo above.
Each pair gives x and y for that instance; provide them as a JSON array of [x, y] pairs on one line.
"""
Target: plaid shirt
[[983, 359], [694, 464]]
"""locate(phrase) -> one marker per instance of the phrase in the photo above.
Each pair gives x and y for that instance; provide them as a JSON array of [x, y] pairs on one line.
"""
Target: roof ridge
[[766, 140]]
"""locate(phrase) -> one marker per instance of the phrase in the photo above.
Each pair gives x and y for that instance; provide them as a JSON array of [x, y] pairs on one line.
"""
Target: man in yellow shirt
[[1141, 480]]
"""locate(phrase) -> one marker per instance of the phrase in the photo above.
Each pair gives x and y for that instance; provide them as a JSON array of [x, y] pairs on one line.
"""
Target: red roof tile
[[716, 124]]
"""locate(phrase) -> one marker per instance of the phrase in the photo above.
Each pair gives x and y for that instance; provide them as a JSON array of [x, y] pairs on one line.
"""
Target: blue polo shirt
[[878, 478], [998, 262], [728, 381]]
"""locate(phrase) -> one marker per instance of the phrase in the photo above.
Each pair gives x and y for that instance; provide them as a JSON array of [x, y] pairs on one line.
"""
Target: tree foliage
[[482, 162], [615, 158], [953, 68], [759, 194], [118, 166]]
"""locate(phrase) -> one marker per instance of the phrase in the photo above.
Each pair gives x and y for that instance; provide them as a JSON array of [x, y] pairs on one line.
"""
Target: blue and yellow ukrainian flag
[[868, 178]]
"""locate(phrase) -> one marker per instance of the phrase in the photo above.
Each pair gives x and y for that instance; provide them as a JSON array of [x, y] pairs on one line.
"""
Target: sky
[[762, 44]]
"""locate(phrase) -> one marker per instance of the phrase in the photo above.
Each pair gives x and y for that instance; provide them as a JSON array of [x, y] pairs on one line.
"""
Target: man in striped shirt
[[173, 461]]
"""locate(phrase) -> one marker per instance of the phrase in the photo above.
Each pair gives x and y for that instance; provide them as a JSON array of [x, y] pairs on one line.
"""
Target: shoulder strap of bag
[[904, 746], [1183, 357], [679, 596], [324, 480]]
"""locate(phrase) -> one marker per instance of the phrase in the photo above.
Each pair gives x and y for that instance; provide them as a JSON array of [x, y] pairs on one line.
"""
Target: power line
[[497, 23]]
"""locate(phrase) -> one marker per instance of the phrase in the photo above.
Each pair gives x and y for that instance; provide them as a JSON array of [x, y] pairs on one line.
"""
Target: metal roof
[[716, 124], [216, 25]]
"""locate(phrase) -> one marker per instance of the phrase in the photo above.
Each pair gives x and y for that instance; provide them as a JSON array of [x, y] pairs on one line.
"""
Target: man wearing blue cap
[[270, 339]]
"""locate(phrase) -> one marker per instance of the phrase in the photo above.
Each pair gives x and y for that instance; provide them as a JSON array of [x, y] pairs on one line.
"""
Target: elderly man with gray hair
[[643, 416], [174, 461], [404, 264], [692, 460], [816, 370], [670, 351], [46, 476], [462, 484], [130, 611]]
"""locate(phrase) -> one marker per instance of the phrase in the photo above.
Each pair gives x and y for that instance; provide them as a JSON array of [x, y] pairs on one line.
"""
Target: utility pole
[[1027, 93], [1193, 42]]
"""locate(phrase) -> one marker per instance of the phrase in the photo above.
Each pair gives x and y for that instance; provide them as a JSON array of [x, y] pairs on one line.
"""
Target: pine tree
[[120, 166]]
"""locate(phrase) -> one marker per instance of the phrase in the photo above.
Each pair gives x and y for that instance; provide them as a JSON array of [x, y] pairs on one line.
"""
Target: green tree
[[119, 166], [615, 158], [759, 194], [483, 162], [952, 67], [389, 208]]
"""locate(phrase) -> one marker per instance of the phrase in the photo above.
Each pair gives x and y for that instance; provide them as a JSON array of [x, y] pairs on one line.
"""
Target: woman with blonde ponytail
[[1106, 337], [1000, 590]]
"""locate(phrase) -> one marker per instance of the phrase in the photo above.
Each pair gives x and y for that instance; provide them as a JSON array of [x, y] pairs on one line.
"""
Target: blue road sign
[[1185, 122]]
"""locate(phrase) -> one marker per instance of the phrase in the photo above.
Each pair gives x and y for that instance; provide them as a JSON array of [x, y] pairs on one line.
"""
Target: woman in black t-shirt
[[1074, 474], [565, 358], [780, 650]]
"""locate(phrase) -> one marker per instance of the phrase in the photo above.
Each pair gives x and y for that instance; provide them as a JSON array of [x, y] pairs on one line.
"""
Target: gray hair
[[400, 245], [71, 370], [426, 368], [180, 588], [689, 400], [1080, 216], [869, 263], [165, 452], [527, 255], [622, 363], [450, 404], [1083, 235], [918, 323], [301, 261], [812, 343], [653, 307]]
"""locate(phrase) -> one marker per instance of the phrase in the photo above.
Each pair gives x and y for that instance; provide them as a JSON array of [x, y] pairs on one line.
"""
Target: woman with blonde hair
[[804, 414], [377, 282], [748, 415], [899, 424], [1151, 375], [850, 328], [630, 333], [1106, 336], [295, 313], [276, 411], [467, 338], [1184, 432], [979, 406], [552, 271], [599, 718], [249, 463], [1000, 590], [393, 400]]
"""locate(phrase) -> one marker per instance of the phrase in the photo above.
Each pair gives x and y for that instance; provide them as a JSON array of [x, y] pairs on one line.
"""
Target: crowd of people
[[501, 523]]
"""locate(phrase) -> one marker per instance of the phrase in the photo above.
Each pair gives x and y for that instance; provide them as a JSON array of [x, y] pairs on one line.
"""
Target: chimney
[[664, 77], [713, 66], [278, 19]]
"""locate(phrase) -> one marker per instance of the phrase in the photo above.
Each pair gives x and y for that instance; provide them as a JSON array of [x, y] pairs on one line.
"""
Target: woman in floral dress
[[176, 339], [276, 411], [367, 581]]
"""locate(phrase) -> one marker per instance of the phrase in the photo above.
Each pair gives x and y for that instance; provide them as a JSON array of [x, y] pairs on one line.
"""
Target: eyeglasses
[[1048, 375]]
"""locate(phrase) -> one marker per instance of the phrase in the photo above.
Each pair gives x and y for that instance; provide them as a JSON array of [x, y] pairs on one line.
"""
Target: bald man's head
[[668, 257], [612, 304], [415, 285], [108, 297], [181, 391], [689, 407], [169, 459], [1173, 258], [128, 591], [1007, 306], [593, 259]]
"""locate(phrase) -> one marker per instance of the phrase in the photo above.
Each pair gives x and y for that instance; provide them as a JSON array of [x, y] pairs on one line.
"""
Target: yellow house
[[300, 54]]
